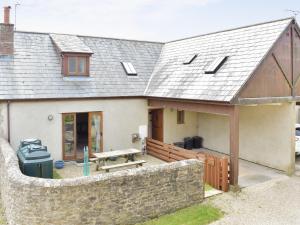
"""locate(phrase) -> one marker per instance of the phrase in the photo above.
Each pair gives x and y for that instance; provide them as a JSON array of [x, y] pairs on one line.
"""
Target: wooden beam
[[265, 100], [283, 73], [191, 106], [234, 145]]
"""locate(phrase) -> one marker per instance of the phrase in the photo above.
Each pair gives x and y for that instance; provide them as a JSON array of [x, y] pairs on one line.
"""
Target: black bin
[[188, 143], [179, 144], [197, 142]]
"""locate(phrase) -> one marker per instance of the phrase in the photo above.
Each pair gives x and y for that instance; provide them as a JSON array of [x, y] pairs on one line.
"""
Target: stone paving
[[73, 169]]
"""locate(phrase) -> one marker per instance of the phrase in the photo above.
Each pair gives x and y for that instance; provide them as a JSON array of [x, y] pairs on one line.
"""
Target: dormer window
[[75, 54], [76, 65]]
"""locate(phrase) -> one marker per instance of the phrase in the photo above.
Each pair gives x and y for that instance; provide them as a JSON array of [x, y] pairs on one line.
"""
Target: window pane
[[72, 64], [180, 117], [95, 132], [69, 135], [82, 65]]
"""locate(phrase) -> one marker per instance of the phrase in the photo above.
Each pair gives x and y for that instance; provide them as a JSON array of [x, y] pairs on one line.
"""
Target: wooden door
[[95, 132], [69, 136], [157, 124]]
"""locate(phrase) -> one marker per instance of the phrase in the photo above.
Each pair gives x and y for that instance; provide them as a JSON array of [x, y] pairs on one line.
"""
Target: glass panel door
[[95, 132], [69, 136]]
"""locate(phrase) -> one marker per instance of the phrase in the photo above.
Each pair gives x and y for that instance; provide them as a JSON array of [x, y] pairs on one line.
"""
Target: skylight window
[[190, 59], [216, 65], [129, 69]]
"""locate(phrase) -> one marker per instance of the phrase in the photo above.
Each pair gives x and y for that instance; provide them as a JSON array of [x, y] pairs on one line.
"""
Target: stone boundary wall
[[123, 197]]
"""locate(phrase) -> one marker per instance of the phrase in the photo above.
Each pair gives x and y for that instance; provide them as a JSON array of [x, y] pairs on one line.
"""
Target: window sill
[[77, 78]]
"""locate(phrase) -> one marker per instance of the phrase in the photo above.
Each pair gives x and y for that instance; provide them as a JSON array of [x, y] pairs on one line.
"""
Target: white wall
[[174, 132], [3, 120], [121, 118], [215, 131], [297, 114], [266, 134]]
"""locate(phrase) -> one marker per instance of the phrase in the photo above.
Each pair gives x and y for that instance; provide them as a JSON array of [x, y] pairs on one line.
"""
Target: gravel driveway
[[273, 202], [2, 218]]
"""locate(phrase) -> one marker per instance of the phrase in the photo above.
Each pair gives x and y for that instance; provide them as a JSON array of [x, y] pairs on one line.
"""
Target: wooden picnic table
[[104, 156]]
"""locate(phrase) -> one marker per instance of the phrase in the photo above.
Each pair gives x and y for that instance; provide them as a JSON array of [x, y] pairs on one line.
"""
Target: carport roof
[[245, 48]]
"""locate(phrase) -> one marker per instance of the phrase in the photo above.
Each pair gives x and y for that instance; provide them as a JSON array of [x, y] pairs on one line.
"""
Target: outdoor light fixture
[[50, 117]]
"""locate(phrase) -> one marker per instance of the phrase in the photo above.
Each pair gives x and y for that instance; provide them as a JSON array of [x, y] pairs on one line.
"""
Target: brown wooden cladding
[[296, 60], [216, 168], [273, 78]]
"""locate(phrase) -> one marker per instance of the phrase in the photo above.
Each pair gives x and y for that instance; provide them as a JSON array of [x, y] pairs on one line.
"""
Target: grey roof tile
[[35, 69], [245, 47], [70, 43]]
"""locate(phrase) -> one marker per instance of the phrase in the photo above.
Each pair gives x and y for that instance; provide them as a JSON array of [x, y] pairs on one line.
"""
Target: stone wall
[[123, 197]]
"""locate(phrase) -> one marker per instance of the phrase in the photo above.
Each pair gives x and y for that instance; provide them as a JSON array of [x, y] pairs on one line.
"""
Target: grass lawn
[[194, 215], [56, 175]]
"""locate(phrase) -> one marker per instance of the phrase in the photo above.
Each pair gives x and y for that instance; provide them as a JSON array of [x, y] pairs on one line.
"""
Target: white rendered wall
[[121, 118], [174, 132], [266, 134]]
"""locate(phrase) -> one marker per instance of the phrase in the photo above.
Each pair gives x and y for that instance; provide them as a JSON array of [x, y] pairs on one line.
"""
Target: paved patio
[[73, 169]]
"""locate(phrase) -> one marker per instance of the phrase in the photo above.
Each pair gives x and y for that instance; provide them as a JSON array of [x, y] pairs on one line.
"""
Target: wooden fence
[[216, 168]]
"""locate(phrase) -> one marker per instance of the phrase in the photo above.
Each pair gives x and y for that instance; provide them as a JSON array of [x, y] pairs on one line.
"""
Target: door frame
[[161, 113], [100, 113], [74, 157]]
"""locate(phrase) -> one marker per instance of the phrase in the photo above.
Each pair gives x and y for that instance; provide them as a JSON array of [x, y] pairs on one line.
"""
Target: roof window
[[190, 59], [216, 65], [129, 69]]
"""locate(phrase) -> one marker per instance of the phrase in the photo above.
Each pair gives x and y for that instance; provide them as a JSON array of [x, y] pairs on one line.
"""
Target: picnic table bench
[[129, 154], [137, 163]]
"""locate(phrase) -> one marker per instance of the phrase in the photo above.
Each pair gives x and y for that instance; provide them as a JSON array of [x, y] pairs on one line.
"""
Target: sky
[[154, 20]]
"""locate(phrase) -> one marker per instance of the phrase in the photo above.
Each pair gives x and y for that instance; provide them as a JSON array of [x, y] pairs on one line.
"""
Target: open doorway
[[81, 133], [79, 130]]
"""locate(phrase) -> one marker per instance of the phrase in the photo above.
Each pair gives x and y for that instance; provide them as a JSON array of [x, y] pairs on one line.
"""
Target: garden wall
[[123, 197]]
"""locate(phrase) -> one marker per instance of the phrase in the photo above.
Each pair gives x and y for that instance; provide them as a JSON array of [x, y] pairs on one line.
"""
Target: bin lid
[[30, 141], [31, 152], [36, 155], [33, 148]]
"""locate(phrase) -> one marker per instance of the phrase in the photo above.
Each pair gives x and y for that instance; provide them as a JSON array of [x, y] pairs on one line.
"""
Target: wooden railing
[[216, 167]]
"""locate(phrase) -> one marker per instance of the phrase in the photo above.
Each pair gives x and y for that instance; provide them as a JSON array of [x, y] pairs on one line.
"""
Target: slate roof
[[245, 47], [34, 72], [70, 43]]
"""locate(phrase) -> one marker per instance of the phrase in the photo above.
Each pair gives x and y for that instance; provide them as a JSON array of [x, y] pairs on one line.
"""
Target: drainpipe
[[8, 121]]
